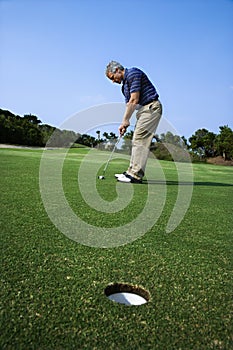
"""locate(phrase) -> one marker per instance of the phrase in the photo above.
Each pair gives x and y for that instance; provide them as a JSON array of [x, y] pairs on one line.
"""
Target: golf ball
[[101, 177]]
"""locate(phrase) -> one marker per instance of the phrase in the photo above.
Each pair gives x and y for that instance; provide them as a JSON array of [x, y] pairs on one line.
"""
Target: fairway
[[52, 287]]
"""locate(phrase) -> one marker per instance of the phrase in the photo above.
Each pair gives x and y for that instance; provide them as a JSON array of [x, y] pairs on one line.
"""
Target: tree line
[[29, 131]]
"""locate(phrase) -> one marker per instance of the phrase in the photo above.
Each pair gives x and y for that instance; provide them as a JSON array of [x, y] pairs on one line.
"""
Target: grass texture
[[52, 288]]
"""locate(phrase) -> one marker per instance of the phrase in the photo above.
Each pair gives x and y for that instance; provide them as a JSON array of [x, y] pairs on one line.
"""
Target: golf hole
[[127, 294]]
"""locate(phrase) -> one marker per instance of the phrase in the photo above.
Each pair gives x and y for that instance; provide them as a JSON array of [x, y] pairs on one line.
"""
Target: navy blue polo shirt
[[136, 80]]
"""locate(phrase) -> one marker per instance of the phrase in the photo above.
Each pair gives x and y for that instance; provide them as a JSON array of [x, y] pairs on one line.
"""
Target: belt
[[151, 101]]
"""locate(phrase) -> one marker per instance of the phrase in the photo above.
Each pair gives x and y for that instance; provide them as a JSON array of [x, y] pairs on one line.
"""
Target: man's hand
[[123, 127]]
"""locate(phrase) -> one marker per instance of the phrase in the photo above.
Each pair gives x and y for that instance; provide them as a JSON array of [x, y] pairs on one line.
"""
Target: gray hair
[[112, 66]]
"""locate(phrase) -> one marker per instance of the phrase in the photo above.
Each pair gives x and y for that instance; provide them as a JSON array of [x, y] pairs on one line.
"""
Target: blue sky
[[54, 54]]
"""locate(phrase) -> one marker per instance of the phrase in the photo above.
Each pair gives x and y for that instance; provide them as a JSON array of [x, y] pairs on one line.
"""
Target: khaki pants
[[148, 118]]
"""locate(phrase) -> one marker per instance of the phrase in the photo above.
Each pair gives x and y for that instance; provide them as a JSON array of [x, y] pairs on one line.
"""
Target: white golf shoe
[[119, 175], [128, 179], [123, 178]]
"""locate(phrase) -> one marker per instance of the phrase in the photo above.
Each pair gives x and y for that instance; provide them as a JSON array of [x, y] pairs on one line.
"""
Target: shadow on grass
[[183, 183]]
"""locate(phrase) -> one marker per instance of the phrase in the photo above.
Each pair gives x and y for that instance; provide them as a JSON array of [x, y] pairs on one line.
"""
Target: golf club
[[102, 177]]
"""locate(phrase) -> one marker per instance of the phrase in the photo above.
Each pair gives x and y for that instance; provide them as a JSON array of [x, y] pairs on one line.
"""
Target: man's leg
[[148, 118]]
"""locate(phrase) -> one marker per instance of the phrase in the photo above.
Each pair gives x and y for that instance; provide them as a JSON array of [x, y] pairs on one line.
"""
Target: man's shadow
[[185, 183]]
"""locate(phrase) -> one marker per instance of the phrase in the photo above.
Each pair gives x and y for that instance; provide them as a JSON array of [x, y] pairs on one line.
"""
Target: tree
[[202, 143], [224, 142], [32, 119], [128, 135], [109, 140], [98, 138], [47, 132], [111, 137], [170, 147], [86, 140]]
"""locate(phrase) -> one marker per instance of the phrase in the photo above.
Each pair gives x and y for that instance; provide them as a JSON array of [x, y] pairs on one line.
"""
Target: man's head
[[115, 72]]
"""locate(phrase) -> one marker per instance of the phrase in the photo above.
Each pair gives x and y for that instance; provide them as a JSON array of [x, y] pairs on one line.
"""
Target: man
[[139, 94]]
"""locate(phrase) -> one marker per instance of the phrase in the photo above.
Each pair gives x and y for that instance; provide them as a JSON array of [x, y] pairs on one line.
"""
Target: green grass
[[52, 288]]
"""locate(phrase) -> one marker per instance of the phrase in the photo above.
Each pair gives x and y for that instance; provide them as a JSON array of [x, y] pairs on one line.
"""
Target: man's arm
[[130, 108]]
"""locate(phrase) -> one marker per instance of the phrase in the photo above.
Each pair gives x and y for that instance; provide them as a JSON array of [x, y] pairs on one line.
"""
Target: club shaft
[[109, 159]]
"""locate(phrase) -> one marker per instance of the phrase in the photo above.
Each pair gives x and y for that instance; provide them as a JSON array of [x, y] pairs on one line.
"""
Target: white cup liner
[[127, 298], [127, 294]]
